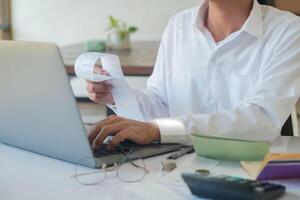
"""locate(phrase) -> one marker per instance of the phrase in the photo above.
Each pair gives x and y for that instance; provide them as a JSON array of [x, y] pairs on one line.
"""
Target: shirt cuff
[[113, 107], [173, 131]]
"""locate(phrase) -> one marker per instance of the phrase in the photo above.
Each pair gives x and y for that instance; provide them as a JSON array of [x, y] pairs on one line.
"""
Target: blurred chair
[[266, 2], [291, 127]]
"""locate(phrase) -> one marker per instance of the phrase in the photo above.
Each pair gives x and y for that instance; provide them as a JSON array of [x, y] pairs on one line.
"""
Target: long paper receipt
[[125, 101]]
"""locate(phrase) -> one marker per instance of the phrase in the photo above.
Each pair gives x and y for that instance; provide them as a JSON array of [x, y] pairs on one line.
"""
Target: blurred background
[[129, 28], [70, 21]]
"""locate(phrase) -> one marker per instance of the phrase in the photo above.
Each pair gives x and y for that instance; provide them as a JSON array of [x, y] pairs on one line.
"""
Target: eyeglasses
[[130, 169]]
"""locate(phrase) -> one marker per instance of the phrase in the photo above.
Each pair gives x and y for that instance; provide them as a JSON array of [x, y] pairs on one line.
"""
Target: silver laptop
[[38, 111]]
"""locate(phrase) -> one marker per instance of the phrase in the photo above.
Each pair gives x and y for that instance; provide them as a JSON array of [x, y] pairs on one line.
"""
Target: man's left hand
[[123, 129]]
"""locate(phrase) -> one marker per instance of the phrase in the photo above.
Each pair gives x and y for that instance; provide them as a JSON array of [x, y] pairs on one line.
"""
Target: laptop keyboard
[[122, 148], [103, 151], [105, 156]]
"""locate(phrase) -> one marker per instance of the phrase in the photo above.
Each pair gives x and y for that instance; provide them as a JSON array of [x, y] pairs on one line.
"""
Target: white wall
[[69, 21]]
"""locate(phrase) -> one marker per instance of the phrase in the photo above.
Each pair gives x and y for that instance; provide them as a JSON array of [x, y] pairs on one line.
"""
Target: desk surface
[[25, 175], [139, 60]]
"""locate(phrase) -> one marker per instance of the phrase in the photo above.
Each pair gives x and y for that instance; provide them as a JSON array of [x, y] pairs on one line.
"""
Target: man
[[227, 68]]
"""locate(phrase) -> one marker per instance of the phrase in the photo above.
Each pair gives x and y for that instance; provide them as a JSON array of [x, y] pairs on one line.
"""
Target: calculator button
[[221, 177], [202, 172], [269, 187], [232, 179], [272, 187], [264, 184], [259, 189], [255, 184], [244, 181]]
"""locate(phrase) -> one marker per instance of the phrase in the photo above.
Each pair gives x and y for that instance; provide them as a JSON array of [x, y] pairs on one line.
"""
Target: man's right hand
[[100, 92]]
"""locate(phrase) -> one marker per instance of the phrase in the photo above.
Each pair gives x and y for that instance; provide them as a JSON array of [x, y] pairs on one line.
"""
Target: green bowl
[[229, 149]]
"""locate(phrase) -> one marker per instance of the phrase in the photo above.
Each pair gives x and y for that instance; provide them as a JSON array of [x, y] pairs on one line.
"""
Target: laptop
[[38, 111]]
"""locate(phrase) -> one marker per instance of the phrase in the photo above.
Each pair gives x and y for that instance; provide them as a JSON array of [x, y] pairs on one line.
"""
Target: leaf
[[120, 26], [132, 29], [114, 23]]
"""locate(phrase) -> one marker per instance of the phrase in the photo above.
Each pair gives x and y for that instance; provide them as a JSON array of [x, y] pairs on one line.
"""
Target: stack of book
[[274, 166]]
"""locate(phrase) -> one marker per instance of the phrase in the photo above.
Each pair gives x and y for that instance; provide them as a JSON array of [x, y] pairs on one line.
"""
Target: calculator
[[231, 188]]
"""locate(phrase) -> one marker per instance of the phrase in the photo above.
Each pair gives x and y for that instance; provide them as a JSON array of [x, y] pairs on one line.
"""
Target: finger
[[99, 98], [105, 73], [102, 98], [106, 131], [118, 138], [98, 70], [94, 131], [135, 134], [92, 82], [93, 87], [97, 127]]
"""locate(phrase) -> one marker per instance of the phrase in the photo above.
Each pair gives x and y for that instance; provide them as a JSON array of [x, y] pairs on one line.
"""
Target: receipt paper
[[125, 101]]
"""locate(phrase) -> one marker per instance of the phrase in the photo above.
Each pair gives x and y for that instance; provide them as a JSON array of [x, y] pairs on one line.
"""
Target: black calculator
[[231, 188]]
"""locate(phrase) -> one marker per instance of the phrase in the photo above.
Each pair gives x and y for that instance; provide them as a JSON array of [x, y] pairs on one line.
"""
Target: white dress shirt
[[243, 87]]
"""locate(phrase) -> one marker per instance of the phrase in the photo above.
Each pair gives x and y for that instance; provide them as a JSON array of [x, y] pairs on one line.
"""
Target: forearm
[[256, 120]]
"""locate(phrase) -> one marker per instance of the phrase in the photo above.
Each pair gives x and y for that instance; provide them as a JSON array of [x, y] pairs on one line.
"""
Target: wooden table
[[138, 61]]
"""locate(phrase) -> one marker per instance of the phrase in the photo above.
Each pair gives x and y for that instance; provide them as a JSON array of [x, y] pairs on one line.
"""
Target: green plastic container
[[94, 46], [229, 149]]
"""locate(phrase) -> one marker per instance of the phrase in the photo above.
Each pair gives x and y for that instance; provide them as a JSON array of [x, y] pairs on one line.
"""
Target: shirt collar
[[253, 25], [200, 21]]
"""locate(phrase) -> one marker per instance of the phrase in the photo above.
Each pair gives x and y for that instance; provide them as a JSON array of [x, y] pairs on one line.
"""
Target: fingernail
[[94, 145]]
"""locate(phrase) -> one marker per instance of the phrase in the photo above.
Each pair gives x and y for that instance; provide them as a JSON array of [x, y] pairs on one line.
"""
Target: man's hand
[[100, 92], [123, 129]]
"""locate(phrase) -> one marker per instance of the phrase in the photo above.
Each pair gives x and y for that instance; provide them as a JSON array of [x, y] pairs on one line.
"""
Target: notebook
[[274, 166]]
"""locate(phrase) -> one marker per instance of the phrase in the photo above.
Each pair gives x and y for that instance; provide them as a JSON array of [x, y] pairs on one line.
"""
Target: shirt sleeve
[[260, 115], [153, 101]]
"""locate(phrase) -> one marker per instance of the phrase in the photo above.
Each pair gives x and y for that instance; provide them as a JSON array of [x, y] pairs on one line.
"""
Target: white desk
[[28, 176]]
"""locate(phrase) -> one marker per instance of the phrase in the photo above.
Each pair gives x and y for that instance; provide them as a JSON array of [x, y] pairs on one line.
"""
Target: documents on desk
[[274, 166], [125, 101], [216, 167]]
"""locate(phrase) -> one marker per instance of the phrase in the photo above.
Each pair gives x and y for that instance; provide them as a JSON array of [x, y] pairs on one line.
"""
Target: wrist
[[154, 130]]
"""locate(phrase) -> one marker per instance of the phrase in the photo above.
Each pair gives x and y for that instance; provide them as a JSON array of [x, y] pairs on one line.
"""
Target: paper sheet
[[158, 190], [252, 168], [125, 101]]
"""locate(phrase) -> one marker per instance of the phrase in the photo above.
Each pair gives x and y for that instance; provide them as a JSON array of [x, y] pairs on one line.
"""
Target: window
[[5, 19]]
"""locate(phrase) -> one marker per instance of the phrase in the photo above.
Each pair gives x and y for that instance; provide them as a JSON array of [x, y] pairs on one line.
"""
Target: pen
[[181, 152]]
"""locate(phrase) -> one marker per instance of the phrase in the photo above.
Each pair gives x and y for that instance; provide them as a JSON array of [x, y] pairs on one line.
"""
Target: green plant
[[121, 27]]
